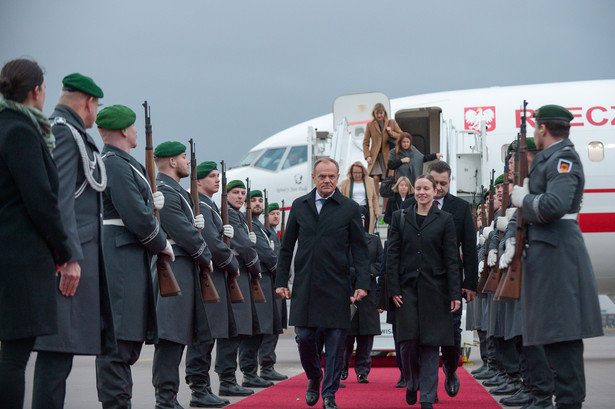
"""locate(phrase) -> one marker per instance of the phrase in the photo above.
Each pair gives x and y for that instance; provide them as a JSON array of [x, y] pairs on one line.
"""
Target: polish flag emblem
[[473, 116]]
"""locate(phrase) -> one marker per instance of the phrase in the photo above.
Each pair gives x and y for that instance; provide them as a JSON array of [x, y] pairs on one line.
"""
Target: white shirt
[[318, 203], [440, 202], [358, 193]]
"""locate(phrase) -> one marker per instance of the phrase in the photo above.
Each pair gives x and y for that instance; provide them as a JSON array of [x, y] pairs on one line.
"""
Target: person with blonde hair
[[361, 188], [378, 133], [403, 191]]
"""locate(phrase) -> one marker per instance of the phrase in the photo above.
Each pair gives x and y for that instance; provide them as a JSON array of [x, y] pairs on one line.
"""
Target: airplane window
[[595, 150], [296, 156], [270, 159], [249, 158]]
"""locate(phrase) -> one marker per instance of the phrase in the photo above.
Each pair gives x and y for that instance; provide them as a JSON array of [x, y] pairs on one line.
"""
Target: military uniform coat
[[245, 313], [512, 308], [128, 249], [376, 141], [422, 268], [31, 231], [558, 294], [268, 318], [366, 320], [219, 315], [321, 288], [85, 322], [182, 319]]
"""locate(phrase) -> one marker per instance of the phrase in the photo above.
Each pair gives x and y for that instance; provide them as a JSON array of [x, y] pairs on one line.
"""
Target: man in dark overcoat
[[326, 225], [182, 320], [558, 294], [85, 323], [219, 315], [132, 235], [243, 244]]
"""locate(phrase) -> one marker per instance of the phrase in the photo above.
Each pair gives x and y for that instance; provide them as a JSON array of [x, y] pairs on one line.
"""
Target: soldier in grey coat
[[558, 294], [219, 315], [246, 319], [85, 323], [132, 235], [182, 320]]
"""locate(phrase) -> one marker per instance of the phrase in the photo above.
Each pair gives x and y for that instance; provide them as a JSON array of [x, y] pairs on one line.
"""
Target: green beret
[[274, 206], [205, 168], [256, 193], [531, 145], [485, 194], [499, 180], [115, 117], [169, 149], [547, 112], [233, 184], [77, 82]]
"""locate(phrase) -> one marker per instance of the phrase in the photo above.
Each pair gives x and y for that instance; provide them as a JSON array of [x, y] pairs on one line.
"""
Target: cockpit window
[[249, 158], [296, 156], [270, 159]]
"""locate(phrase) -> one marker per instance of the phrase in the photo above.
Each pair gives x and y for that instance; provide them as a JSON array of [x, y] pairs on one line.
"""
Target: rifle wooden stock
[[490, 217], [510, 288], [166, 279], [231, 280], [257, 292], [495, 278], [208, 289]]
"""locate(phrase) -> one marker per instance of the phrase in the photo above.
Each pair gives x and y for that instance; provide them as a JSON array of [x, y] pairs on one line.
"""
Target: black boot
[[542, 402], [202, 398], [476, 371], [226, 401], [489, 373], [117, 404], [401, 383], [344, 374], [230, 387], [252, 380], [270, 374], [165, 399], [510, 387], [520, 398], [496, 380]]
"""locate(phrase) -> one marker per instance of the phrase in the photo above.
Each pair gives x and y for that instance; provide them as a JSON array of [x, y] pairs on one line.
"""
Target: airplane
[[472, 128]]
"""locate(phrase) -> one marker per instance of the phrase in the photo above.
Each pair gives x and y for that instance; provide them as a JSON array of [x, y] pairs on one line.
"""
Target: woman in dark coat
[[403, 191], [406, 160], [366, 321], [423, 276], [34, 244]]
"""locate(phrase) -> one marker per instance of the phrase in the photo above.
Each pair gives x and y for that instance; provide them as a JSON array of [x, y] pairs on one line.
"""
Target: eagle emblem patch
[[564, 166]]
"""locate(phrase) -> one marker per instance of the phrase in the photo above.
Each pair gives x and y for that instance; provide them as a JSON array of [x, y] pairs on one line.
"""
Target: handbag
[[386, 186]]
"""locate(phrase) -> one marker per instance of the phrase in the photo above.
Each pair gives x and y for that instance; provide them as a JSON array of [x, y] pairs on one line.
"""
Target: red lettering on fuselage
[[595, 116]]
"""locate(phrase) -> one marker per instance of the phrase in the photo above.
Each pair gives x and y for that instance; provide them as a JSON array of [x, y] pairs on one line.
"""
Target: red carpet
[[379, 393]]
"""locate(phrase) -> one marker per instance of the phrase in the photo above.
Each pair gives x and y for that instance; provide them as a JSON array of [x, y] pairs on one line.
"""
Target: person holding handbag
[[403, 191], [360, 188], [376, 146], [406, 160]]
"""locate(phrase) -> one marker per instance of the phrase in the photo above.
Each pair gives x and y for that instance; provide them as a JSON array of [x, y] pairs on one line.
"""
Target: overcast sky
[[231, 73]]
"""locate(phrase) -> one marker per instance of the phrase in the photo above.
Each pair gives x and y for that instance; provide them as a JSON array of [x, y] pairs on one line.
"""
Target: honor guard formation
[[102, 254]]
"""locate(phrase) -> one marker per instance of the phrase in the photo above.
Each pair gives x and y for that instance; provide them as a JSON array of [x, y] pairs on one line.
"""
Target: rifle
[[267, 225], [166, 279], [231, 281], [283, 223], [511, 286], [255, 285], [208, 290], [485, 271], [495, 276], [490, 215]]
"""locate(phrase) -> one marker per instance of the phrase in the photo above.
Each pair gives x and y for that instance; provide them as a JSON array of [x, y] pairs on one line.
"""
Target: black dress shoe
[[255, 381], [329, 403], [520, 398], [411, 397], [497, 380], [342, 385], [401, 383], [203, 399], [426, 405], [226, 401], [489, 373], [312, 393], [481, 369], [362, 379], [510, 387], [451, 384], [233, 389], [270, 374], [344, 374]]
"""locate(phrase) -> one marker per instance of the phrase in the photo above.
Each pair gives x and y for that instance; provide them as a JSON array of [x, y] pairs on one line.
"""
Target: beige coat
[[372, 199], [378, 141]]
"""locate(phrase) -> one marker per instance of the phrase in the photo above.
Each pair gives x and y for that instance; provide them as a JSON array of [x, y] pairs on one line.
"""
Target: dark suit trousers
[[113, 374], [14, 357], [198, 363], [310, 348], [451, 353], [50, 373], [566, 359], [248, 354], [363, 358], [397, 350], [420, 364], [266, 353]]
